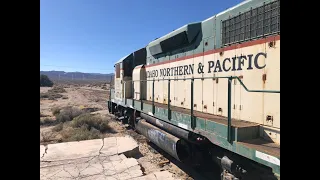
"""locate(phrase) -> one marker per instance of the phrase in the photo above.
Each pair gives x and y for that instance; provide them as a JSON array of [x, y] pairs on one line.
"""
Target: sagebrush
[[83, 127], [68, 113], [53, 93]]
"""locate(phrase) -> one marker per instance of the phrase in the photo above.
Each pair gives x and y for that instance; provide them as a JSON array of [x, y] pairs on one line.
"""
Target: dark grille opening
[[255, 23]]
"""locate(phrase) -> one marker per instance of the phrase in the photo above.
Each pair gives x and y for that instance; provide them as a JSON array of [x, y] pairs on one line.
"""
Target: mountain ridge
[[56, 75]]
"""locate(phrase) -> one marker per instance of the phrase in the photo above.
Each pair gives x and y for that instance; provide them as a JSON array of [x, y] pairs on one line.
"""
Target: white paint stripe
[[268, 158], [182, 125]]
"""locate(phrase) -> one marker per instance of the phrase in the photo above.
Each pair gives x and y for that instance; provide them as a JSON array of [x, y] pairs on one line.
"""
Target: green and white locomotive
[[210, 89]]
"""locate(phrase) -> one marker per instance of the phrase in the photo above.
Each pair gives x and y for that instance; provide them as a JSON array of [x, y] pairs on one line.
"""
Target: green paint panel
[[129, 102], [218, 129], [237, 134], [137, 105], [200, 124], [161, 113], [147, 108], [181, 119], [244, 151]]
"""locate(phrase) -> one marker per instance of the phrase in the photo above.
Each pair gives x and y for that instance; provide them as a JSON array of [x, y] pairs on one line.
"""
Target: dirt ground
[[77, 96], [86, 97]]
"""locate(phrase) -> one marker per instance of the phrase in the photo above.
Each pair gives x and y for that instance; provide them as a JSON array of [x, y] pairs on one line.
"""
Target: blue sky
[[90, 35]]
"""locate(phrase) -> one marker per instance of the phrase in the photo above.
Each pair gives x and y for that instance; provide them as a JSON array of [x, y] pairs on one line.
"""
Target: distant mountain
[[56, 75]]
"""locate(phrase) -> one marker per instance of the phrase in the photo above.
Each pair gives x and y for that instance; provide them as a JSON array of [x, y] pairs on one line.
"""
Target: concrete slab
[[89, 148], [116, 145], [73, 150], [94, 159], [112, 167], [42, 150]]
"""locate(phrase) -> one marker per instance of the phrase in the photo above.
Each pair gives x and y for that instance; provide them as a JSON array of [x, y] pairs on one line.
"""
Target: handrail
[[230, 78], [244, 86]]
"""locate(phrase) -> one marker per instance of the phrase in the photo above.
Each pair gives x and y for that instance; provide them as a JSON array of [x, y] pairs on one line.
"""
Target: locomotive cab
[[123, 74]]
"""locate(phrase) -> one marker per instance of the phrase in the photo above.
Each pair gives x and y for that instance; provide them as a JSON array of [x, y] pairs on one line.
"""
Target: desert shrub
[[55, 110], [73, 111], [91, 121], [62, 117], [45, 81], [43, 95], [47, 121], [76, 125], [50, 96], [47, 136], [91, 109], [68, 113], [58, 127], [64, 97], [78, 134], [54, 96], [53, 93], [57, 89]]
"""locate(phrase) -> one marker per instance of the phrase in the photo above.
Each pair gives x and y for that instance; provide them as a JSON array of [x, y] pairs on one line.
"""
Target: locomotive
[[210, 90]]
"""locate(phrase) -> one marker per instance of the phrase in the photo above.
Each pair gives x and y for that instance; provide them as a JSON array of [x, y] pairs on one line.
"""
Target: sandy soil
[[77, 96], [151, 160]]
